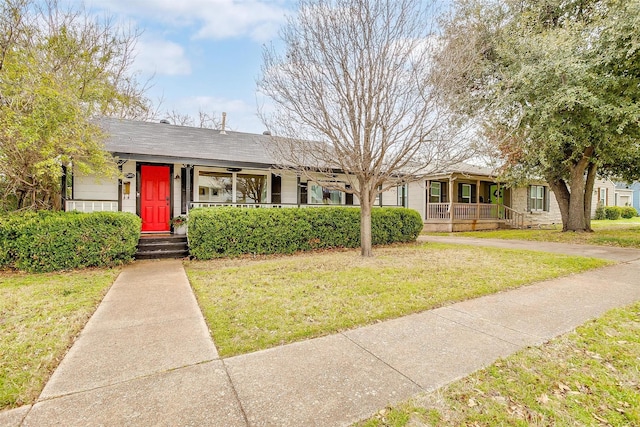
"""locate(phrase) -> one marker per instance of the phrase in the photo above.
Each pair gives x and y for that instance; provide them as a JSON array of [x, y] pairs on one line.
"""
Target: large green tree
[[558, 85], [59, 68]]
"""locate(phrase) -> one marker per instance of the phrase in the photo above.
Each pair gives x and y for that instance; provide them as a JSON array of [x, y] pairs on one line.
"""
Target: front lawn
[[623, 232], [252, 304], [40, 315], [589, 377]]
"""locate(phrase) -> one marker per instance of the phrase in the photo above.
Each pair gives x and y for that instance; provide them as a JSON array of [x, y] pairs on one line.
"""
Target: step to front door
[[162, 246]]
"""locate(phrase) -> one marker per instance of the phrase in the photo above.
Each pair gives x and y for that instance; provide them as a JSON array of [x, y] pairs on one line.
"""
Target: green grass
[[40, 314], [623, 233], [252, 304], [589, 377]]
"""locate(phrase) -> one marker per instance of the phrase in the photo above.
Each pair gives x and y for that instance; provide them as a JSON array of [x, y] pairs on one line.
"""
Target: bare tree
[[204, 119], [356, 78]]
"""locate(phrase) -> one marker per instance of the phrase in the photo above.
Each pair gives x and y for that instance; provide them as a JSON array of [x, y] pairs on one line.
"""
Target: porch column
[[477, 199], [428, 192], [120, 164], [451, 184], [187, 175], [63, 193], [500, 210]]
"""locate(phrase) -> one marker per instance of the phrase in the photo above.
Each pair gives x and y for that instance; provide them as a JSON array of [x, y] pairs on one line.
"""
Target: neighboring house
[[472, 198], [628, 195], [167, 170], [604, 194]]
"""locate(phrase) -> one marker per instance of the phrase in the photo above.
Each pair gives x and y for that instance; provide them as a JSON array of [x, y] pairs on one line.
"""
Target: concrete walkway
[[145, 357]]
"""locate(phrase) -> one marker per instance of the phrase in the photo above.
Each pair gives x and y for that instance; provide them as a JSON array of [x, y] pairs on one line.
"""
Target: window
[[378, 199], [215, 187], [403, 191], [602, 196], [323, 195], [538, 198], [251, 188], [435, 192], [466, 193]]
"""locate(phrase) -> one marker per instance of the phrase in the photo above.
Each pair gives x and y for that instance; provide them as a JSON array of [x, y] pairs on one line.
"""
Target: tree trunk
[[563, 197], [576, 220], [574, 199], [588, 194], [365, 228]]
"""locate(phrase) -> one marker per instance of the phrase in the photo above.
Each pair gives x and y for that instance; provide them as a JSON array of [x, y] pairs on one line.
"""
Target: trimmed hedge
[[628, 212], [230, 231], [612, 212], [50, 241]]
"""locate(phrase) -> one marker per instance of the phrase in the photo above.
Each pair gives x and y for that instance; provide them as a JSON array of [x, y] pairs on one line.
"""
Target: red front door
[[155, 197]]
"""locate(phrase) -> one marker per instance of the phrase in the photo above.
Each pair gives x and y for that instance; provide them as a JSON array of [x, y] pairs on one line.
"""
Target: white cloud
[[215, 19], [161, 57]]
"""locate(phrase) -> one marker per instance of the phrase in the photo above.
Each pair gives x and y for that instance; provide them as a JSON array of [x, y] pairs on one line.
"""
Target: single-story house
[[167, 170]]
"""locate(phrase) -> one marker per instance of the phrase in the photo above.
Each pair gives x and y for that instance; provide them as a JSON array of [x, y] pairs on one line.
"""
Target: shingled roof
[[160, 142]]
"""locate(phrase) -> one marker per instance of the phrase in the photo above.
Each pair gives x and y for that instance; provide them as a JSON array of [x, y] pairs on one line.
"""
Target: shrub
[[629, 212], [600, 212], [51, 241], [230, 231], [612, 212]]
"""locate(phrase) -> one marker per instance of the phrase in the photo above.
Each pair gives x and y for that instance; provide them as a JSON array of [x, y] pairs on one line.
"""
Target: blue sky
[[203, 54]]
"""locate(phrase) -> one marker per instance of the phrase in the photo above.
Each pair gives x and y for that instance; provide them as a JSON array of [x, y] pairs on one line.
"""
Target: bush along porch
[[231, 231], [50, 241]]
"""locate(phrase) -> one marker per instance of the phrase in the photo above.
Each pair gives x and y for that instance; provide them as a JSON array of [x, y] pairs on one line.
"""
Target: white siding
[[94, 188], [417, 197], [609, 189], [129, 201], [390, 197], [177, 206], [289, 188]]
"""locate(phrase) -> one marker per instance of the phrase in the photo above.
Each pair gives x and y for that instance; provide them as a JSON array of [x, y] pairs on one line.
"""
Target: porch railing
[[513, 218], [438, 211], [271, 205], [474, 211], [462, 211], [91, 205]]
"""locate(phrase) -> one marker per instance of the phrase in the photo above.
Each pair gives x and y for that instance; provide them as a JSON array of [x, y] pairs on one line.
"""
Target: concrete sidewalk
[[145, 357], [613, 253]]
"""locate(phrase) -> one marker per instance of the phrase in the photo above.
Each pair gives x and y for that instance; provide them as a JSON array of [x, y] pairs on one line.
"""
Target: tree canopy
[[558, 85], [59, 68]]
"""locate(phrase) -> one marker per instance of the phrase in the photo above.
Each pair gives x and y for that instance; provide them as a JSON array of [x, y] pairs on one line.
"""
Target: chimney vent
[[267, 133], [165, 122], [223, 124]]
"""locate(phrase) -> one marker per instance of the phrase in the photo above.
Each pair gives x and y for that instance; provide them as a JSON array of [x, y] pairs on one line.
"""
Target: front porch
[[451, 217], [463, 202]]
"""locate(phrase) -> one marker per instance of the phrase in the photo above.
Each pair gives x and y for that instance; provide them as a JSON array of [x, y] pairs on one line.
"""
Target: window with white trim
[[603, 197], [435, 192], [322, 195], [215, 187], [403, 191], [251, 188], [538, 198], [466, 193]]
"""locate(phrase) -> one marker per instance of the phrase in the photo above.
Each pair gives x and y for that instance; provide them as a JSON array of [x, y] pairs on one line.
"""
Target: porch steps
[[155, 246]]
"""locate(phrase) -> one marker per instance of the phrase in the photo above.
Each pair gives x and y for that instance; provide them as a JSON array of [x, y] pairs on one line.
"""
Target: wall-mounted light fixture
[[129, 175], [177, 177]]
